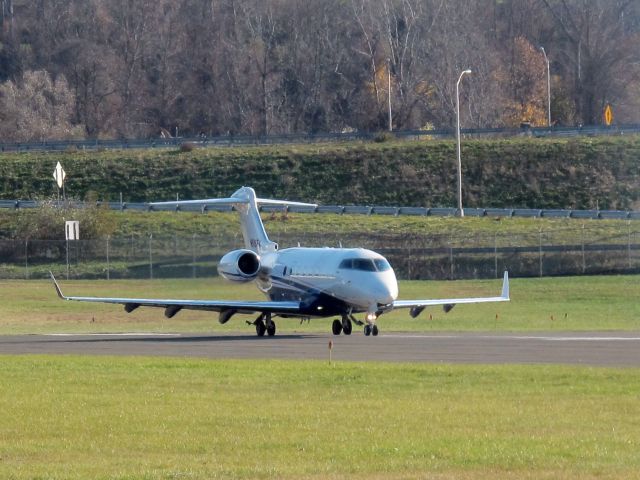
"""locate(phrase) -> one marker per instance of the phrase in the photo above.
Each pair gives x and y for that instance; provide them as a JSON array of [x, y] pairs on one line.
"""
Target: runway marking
[[434, 337], [521, 337], [131, 334], [583, 339]]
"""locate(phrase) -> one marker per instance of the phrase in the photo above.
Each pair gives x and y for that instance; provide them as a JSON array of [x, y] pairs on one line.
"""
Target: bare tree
[[275, 66], [37, 108], [598, 41]]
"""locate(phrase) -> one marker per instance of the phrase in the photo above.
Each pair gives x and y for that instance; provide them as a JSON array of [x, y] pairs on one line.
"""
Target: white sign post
[[71, 232], [59, 175]]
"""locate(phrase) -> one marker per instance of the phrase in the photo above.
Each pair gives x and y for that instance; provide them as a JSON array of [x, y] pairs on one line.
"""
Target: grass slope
[[576, 173], [218, 224], [106, 418], [564, 303]]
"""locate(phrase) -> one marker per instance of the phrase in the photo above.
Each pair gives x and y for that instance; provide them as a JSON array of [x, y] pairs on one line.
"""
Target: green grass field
[[72, 417], [562, 303]]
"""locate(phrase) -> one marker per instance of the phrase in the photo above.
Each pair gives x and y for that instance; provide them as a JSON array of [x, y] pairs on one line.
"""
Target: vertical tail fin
[[255, 237], [246, 204]]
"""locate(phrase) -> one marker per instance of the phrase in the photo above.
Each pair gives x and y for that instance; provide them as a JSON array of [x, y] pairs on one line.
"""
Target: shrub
[[382, 137], [47, 222]]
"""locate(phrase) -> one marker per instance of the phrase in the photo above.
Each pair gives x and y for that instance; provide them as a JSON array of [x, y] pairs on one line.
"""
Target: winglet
[[505, 285], [55, 284]]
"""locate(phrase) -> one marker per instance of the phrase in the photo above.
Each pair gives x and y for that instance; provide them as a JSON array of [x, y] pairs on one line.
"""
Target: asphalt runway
[[591, 348]]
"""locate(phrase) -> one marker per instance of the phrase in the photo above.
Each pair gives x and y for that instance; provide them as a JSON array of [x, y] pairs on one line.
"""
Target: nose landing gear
[[371, 330]]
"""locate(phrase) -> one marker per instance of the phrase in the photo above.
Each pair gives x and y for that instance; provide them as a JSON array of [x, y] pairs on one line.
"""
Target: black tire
[[374, 330], [346, 326], [336, 327], [367, 330], [260, 328], [271, 329]]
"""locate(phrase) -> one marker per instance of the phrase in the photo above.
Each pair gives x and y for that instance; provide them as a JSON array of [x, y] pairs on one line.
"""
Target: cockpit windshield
[[365, 264], [381, 264]]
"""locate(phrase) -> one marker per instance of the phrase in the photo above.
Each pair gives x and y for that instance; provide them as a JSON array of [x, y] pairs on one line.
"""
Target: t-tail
[[246, 203]]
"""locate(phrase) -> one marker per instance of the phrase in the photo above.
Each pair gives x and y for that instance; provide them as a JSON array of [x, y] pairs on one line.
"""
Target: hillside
[[578, 173]]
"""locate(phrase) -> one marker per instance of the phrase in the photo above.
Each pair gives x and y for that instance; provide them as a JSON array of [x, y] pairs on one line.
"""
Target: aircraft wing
[[174, 306], [417, 306]]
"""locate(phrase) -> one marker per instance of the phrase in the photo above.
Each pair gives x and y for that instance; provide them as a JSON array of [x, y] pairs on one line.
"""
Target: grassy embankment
[[576, 173], [131, 223], [88, 417], [566, 303], [556, 173]]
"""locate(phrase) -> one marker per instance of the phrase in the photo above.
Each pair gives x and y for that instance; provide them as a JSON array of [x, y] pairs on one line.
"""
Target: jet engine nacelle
[[239, 265]]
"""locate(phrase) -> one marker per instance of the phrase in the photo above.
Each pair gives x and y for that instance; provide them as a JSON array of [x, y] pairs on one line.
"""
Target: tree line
[[136, 68]]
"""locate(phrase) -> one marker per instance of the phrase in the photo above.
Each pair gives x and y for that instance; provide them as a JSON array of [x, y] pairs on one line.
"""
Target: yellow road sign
[[608, 115]]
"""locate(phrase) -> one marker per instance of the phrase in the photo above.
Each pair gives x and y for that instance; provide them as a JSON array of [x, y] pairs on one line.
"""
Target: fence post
[[495, 253], [451, 257], [26, 259], [193, 253], [584, 263], [150, 258], [540, 250], [409, 239], [67, 243], [108, 266], [629, 244]]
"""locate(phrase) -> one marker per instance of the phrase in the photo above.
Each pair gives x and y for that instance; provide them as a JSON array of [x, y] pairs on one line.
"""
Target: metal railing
[[351, 210], [292, 138]]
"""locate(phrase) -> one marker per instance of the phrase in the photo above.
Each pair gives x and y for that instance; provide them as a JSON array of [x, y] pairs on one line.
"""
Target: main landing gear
[[264, 324], [343, 326]]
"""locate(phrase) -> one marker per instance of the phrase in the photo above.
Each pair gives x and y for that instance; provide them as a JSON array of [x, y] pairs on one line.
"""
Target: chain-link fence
[[574, 251]]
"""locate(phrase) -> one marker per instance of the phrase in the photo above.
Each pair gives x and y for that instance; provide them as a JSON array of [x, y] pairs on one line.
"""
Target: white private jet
[[299, 282]]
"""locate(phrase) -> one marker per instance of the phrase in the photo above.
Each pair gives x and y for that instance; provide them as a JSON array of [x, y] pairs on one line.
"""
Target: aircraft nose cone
[[386, 293]]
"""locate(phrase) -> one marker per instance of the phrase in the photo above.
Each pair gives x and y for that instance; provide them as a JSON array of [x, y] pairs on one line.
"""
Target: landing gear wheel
[[271, 328], [374, 330], [346, 326], [367, 330], [260, 327], [336, 327]]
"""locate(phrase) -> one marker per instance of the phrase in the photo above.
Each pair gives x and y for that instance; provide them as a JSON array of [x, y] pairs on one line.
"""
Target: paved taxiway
[[592, 348]]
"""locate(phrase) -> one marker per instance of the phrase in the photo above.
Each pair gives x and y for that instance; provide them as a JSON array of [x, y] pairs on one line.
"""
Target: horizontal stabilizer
[[234, 200]]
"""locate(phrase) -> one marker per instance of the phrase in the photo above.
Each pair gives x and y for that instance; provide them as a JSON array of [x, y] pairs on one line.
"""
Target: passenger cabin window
[[365, 264]]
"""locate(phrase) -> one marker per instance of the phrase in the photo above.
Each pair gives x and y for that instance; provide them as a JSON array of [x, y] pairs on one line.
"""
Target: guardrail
[[351, 210], [232, 140]]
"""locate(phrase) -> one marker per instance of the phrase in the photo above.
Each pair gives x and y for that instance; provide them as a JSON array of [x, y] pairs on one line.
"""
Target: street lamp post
[[389, 93], [548, 88], [461, 212]]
